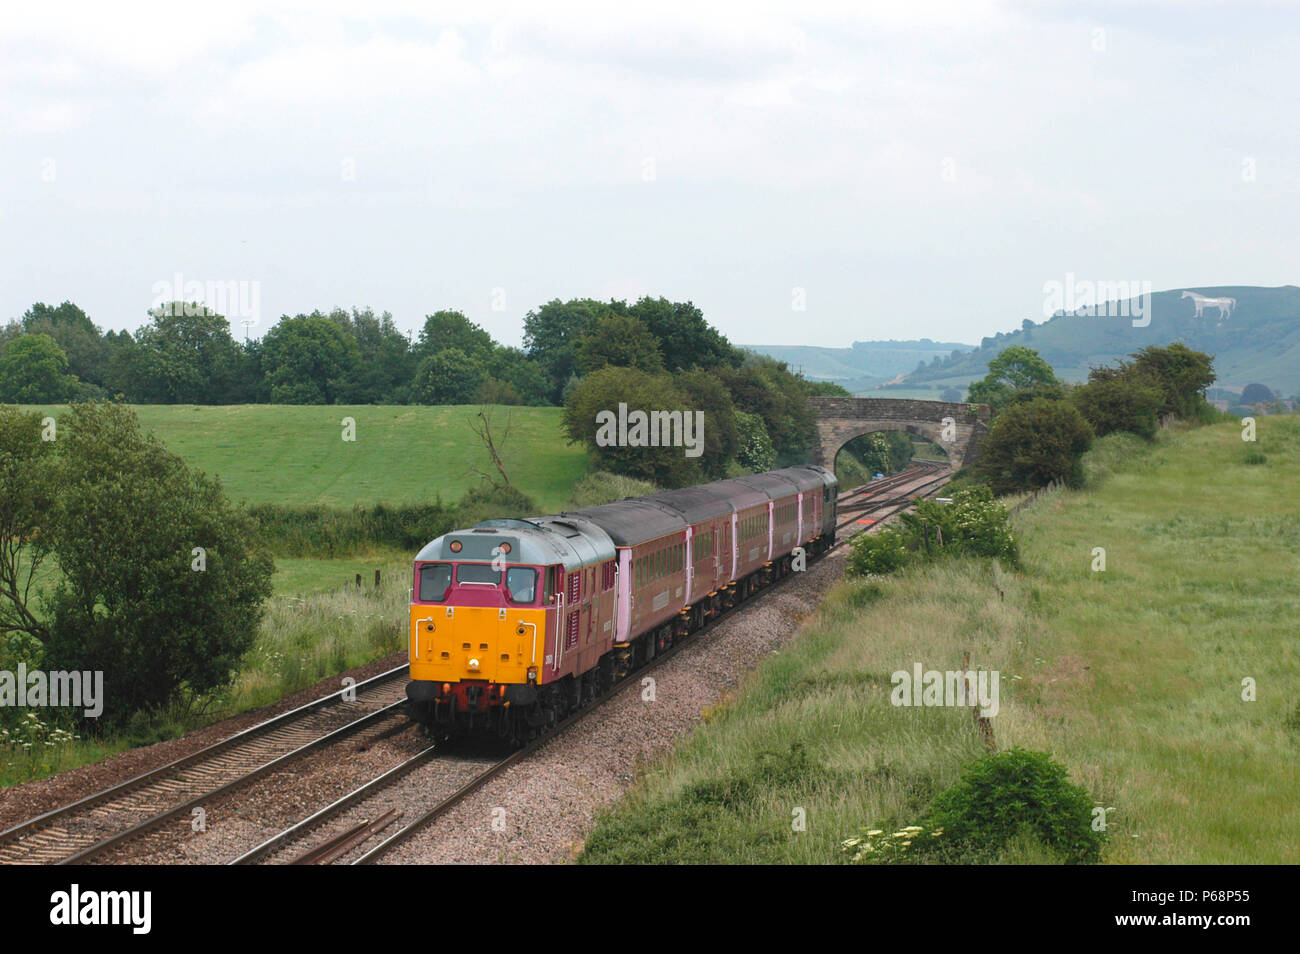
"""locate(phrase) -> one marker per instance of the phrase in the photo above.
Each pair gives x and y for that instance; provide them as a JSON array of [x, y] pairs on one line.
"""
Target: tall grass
[[304, 637], [1132, 677]]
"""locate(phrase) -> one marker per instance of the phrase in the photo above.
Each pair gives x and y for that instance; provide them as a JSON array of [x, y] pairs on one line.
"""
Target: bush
[[1004, 793], [1119, 403], [879, 553], [490, 502], [974, 524], [1034, 443], [1001, 802], [603, 487], [756, 451], [329, 532]]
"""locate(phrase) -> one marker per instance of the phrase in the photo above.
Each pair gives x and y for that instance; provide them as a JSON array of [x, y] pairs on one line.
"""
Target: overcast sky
[[916, 169]]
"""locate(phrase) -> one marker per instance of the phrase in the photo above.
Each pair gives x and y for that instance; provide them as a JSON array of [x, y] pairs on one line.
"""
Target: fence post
[[376, 579]]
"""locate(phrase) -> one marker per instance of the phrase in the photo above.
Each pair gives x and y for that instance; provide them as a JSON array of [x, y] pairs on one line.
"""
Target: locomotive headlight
[[473, 664]]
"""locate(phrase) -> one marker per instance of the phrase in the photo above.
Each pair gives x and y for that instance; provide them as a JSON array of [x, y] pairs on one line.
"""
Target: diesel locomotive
[[514, 623]]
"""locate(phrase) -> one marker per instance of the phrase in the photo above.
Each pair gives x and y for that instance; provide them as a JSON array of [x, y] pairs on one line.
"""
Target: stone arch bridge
[[957, 428]]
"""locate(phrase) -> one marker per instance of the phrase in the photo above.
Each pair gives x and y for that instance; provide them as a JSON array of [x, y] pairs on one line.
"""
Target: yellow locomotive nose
[[475, 642]]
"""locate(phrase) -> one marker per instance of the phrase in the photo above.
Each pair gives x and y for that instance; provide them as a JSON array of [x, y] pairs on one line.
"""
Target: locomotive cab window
[[479, 573], [521, 584], [435, 581]]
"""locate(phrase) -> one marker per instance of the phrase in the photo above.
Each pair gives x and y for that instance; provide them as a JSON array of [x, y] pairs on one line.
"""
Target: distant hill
[[1259, 342], [866, 364]]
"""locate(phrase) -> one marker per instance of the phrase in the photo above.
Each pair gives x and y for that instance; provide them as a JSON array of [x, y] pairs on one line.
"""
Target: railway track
[[349, 840], [876, 498], [78, 831]]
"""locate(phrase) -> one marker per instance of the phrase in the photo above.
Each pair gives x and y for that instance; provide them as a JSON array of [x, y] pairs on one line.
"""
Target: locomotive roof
[[541, 541]]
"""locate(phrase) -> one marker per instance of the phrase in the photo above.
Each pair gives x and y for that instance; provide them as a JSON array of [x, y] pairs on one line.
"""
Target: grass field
[[317, 622], [402, 454], [1131, 677]]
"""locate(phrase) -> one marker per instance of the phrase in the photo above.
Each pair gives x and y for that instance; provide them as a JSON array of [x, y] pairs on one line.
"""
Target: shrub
[[1119, 403], [879, 553], [1006, 792], [1002, 801], [756, 451], [974, 524], [1034, 443], [603, 487], [491, 501], [329, 532]]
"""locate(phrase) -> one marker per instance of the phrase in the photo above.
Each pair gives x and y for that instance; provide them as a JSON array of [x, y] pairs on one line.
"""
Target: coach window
[[435, 581]]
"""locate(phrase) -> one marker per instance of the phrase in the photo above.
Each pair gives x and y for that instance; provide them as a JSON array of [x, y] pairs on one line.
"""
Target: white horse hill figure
[[1225, 305]]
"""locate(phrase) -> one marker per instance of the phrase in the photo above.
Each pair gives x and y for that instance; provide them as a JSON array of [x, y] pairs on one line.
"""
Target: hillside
[[1259, 341], [402, 454], [1134, 678], [864, 365]]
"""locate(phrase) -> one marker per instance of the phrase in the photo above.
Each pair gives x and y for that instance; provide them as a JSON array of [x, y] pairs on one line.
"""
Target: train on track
[[517, 622]]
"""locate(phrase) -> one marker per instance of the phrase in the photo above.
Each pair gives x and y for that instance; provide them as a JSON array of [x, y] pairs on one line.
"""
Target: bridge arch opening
[[884, 450]]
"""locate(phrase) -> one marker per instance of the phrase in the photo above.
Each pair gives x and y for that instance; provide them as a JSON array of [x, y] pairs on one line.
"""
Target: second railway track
[[80, 831]]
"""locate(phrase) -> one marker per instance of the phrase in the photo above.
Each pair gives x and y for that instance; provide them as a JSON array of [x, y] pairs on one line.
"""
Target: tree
[[766, 387], [136, 599], [448, 377], [451, 329], [1256, 394], [951, 395], [28, 494], [524, 375], [385, 363], [620, 340], [308, 359], [826, 389], [1016, 368], [721, 435], [34, 370], [685, 339], [551, 335], [1032, 443], [76, 334], [1182, 374], [599, 394], [184, 355]]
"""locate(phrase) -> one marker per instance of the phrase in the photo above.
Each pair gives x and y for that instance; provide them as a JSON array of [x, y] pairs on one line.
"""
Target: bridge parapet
[[957, 428]]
